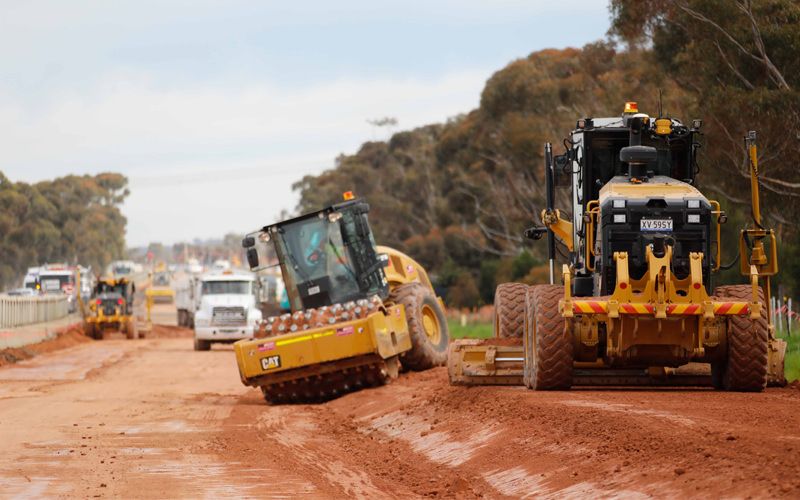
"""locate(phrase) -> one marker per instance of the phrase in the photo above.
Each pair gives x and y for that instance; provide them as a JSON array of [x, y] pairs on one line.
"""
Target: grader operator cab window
[[674, 158]]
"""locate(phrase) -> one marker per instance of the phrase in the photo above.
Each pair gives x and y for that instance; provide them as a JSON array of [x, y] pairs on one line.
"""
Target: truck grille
[[228, 316]]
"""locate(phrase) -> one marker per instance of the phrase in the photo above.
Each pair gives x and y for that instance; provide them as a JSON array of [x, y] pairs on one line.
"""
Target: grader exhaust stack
[[635, 306]]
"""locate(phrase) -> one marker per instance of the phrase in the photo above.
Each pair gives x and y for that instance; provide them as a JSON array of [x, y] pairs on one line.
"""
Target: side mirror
[[248, 242], [252, 256], [562, 172]]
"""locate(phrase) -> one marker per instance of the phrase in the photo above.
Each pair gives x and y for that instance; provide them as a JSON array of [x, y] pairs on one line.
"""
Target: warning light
[[348, 195], [631, 107]]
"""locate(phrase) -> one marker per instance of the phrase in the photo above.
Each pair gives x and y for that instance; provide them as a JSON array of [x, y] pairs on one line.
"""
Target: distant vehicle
[[58, 279], [193, 266], [22, 292], [122, 268], [221, 265], [221, 307], [31, 278]]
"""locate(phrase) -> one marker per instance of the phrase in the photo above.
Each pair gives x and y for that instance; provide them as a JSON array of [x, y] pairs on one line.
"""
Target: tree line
[[458, 195], [72, 219]]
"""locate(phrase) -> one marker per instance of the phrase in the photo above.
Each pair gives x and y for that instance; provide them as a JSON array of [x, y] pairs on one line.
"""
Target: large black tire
[[90, 330], [427, 326], [548, 348], [745, 364], [131, 330], [202, 345], [509, 310]]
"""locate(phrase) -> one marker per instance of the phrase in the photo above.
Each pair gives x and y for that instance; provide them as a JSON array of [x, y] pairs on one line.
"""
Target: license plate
[[656, 225]]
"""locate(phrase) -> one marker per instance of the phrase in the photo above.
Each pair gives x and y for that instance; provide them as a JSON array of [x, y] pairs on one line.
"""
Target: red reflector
[[120, 301], [99, 302], [623, 286], [697, 286]]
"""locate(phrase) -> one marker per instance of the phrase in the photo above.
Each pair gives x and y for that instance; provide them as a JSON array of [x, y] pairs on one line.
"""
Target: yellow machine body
[[651, 329], [380, 335], [369, 344]]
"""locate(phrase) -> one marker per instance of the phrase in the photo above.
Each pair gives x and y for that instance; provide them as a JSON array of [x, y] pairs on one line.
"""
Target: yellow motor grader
[[160, 290], [359, 312], [110, 308], [636, 305]]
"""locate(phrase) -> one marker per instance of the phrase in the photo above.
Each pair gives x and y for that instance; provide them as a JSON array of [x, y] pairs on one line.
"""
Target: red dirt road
[[153, 418]]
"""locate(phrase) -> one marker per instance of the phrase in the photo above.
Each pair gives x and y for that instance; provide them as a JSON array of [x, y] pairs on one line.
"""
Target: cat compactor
[[358, 312], [636, 304]]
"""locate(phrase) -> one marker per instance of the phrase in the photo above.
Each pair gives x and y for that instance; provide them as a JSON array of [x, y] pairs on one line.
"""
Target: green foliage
[[470, 331], [458, 195], [791, 364], [74, 219], [463, 292], [522, 265]]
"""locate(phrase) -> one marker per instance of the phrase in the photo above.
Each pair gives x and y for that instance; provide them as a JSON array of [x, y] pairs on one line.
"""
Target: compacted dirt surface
[[153, 418]]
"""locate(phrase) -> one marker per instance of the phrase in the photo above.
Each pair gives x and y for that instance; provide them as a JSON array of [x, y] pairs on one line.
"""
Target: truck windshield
[[314, 254], [226, 287]]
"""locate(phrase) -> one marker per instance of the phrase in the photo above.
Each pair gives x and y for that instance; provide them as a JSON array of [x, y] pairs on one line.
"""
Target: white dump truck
[[221, 307]]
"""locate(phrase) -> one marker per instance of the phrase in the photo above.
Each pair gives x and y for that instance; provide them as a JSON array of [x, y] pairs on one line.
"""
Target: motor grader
[[636, 305], [359, 312], [160, 290], [110, 308]]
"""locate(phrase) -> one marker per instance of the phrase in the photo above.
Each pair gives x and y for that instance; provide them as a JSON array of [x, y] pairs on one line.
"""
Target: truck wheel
[[427, 326], [90, 330], [202, 345], [548, 348], [509, 310], [744, 367], [131, 330]]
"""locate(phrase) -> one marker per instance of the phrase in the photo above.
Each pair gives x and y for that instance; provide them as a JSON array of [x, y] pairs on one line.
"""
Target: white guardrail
[[20, 311]]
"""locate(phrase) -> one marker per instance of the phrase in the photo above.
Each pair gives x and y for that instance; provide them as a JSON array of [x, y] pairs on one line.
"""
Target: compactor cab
[[358, 311], [326, 258], [637, 303]]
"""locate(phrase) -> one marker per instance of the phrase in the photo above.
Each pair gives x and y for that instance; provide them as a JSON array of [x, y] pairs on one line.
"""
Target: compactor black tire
[[202, 345], [426, 351], [548, 349], [509, 310], [744, 367]]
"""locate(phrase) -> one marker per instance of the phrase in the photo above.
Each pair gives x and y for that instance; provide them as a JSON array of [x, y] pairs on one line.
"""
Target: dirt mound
[[169, 332], [68, 337]]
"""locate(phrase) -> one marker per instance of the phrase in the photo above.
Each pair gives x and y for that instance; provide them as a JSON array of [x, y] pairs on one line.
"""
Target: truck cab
[[225, 309]]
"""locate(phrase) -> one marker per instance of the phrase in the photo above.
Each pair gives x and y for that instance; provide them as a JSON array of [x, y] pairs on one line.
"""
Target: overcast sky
[[213, 108]]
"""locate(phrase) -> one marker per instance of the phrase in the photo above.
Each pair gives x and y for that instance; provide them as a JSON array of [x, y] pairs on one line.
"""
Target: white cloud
[[255, 139]]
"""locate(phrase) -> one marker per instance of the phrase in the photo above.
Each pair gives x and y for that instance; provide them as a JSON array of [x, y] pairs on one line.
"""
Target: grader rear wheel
[[509, 310], [745, 366], [427, 326], [131, 330], [548, 348]]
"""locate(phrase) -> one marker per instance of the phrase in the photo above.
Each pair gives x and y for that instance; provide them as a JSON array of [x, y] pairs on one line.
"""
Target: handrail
[[21, 311]]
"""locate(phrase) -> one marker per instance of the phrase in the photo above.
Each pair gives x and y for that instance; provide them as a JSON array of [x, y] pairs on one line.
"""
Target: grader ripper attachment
[[634, 307], [359, 312]]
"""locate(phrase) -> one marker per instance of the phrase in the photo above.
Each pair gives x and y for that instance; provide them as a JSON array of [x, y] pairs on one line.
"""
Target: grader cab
[[637, 303]]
